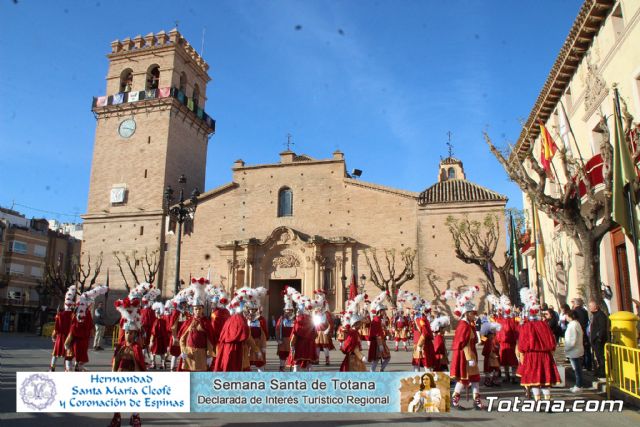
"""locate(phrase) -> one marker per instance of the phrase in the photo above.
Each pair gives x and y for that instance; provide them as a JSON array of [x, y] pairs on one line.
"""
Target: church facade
[[299, 221]]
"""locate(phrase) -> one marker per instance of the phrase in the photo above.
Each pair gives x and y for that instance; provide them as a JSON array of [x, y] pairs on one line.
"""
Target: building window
[[40, 251], [617, 21], [16, 269], [452, 173], [141, 230], [37, 272], [18, 247], [126, 80], [153, 77], [285, 202]]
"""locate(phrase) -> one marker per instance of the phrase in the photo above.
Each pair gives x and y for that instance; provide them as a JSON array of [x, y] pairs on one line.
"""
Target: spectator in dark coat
[[599, 335], [551, 320], [583, 319]]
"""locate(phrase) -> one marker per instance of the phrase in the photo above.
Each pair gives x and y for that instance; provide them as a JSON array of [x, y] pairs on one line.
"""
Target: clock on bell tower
[[151, 127]]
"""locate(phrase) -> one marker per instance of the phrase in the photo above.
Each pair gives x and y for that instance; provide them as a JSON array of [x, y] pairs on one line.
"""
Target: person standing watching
[[98, 317], [583, 319], [599, 335], [574, 348]]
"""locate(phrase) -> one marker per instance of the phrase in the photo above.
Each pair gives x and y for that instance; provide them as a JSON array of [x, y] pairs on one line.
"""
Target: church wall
[[437, 265]]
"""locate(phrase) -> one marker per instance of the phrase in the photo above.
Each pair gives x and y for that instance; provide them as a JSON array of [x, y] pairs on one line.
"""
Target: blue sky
[[383, 81]]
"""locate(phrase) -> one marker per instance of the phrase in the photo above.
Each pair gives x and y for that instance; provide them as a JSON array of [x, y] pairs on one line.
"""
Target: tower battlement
[[157, 41]]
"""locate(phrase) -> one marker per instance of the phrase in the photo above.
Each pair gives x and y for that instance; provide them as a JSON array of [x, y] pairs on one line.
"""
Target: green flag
[[624, 175]]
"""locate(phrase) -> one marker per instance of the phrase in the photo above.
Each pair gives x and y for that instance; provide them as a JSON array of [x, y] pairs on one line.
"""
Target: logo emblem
[[38, 392]]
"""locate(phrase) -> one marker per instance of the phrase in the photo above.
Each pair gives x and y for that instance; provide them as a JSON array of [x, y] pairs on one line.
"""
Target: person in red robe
[[129, 356], [441, 357], [354, 360], [62, 327], [177, 320], [400, 330], [538, 370], [507, 339], [378, 349], [196, 335], [235, 342], [423, 350], [284, 328], [147, 318], [303, 336], [490, 351], [219, 317], [159, 341], [77, 342], [464, 364], [258, 358], [323, 321]]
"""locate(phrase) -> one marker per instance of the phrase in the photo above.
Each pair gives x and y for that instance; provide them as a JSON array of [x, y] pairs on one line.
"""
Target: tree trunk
[[590, 283], [504, 280]]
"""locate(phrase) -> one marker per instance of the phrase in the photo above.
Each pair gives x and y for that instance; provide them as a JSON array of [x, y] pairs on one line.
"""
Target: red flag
[[353, 288]]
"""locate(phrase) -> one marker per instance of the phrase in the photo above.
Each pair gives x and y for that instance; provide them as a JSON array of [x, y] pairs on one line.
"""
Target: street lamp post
[[180, 213]]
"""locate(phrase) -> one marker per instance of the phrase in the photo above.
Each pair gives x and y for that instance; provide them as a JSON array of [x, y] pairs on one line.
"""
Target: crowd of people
[[179, 335]]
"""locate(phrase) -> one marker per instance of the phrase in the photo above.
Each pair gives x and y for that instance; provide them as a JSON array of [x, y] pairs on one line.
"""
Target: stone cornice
[[151, 105], [382, 188], [97, 217], [280, 165]]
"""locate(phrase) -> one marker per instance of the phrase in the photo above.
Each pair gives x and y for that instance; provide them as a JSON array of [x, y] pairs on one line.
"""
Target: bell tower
[[151, 127]]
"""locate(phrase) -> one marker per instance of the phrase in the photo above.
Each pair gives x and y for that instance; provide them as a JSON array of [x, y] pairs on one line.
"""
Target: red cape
[[350, 344], [537, 342], [465, 334], [305, 333], [218, 319], [231, 344], [62, 328]]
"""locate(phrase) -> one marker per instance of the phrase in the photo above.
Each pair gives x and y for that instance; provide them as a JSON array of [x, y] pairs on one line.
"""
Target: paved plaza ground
[[20, 352]]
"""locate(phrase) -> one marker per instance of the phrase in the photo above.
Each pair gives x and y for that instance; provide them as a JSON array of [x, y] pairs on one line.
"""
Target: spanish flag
[[548, 147]]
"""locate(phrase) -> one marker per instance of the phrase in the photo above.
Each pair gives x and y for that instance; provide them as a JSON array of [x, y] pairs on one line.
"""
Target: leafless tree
[[585, 222], [58, 278], [476, 243], [387, 277], [136, 267]]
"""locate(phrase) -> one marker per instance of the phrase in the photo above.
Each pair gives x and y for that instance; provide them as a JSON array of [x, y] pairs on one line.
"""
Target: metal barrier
[[622, 366]]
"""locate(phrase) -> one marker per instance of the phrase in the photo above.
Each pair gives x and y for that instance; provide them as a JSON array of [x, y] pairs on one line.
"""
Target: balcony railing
[[19, 302], [165, 92]]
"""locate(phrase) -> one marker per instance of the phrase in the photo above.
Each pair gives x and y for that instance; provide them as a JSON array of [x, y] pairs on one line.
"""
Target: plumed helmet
[[70, 298], [440, 322], [464, 300]]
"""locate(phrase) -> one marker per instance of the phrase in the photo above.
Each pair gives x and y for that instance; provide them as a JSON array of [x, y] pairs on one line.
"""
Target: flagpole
[[535, 247], [575, 141], [628, 195]]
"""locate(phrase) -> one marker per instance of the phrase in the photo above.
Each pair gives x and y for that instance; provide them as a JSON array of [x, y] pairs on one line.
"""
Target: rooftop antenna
[[449, 144]]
